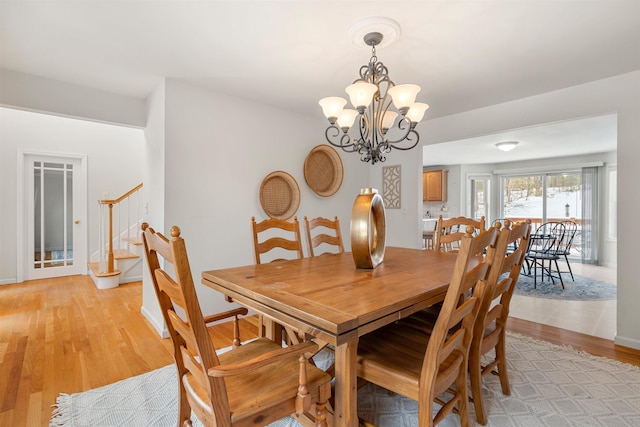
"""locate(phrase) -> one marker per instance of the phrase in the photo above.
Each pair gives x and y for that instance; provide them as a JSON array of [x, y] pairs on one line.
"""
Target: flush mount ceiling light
[[379, 128], [507, 145]]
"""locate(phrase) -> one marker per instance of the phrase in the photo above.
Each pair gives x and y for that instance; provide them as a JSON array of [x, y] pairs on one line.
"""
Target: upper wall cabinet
[[434, 185]]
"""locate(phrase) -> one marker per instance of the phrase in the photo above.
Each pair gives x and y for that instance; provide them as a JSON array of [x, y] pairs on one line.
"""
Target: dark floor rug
[[582, 289]]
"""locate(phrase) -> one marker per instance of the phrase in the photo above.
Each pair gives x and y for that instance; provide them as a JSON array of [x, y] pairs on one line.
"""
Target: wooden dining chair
[[489, 332], [279, 235], [284, 239], [252, 384], [317, 230], [449, 231], [424, 367]]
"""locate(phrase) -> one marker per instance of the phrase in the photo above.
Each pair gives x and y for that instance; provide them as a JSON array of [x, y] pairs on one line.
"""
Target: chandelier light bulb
[[346, 119], [404, 96], [388, 120], [417, 111], [332, 106], [361, 94]]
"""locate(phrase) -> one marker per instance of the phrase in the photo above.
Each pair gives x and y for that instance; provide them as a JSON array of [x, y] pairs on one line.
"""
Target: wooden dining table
[[330, 299]]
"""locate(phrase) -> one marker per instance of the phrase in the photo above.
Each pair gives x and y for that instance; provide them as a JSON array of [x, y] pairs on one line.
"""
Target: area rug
[[582, 289], [550, 386]]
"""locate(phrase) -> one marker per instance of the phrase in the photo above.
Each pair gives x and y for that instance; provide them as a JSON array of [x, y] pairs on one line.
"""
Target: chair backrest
[[548, 238], [571, 228], [449, 231], [278, 233], [451, 336], [194, 351], [317, 236], [495, 305]]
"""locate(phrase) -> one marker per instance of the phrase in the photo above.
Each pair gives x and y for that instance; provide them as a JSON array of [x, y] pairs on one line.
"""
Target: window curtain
[[590, 217]]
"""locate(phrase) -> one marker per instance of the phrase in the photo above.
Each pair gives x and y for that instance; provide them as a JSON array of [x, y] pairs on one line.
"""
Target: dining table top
[[332, 297]]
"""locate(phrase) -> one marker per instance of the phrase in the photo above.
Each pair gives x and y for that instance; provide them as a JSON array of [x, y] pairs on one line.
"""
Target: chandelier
[[379, 127]]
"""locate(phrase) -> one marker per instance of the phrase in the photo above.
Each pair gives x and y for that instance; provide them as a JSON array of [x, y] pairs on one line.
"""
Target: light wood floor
[[65, 336]]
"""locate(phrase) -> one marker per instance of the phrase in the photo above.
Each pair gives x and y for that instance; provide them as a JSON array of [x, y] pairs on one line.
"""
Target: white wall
[[217, 150], [33, 93], [108, 170], [153, 194]]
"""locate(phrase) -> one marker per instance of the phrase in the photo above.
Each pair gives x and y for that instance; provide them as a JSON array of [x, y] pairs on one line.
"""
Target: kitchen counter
[[429, 224]]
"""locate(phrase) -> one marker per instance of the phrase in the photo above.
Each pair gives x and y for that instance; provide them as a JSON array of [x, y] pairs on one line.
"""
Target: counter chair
[[424, 367], [491, 323], [449, 231], [252, 384], [428, 237], [319, 240]]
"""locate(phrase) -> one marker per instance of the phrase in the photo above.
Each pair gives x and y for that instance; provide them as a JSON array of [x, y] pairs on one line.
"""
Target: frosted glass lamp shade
[[387, 120], [404, 96], [332, 106], [346, 118], [361, 94], [416, 112]]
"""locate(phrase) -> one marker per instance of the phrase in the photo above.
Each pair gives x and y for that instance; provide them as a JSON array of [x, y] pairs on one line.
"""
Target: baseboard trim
[[160, 328], [627, 342]]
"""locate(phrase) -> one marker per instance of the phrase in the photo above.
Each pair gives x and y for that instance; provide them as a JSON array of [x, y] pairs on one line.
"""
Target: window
[[543, 198]]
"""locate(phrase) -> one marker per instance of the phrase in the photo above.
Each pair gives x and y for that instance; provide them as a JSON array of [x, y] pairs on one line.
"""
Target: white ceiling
[[465, 54], [582, 136]]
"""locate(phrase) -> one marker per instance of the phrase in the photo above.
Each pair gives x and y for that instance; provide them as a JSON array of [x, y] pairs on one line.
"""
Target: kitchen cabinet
[[434, 185]]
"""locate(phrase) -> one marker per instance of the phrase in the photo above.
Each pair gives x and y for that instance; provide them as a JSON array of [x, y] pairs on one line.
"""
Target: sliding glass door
[[544, 198]]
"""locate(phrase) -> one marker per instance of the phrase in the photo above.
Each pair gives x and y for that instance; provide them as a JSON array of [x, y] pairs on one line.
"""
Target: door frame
[[22, 221]]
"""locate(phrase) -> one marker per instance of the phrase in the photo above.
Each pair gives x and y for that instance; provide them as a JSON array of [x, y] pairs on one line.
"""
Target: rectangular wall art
[[391, 187]]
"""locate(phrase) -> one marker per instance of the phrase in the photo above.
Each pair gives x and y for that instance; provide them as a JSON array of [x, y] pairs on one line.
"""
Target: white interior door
[[55, 216]]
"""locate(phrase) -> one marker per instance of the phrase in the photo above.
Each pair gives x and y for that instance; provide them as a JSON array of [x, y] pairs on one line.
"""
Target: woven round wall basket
[[323, 170], [279, 195]]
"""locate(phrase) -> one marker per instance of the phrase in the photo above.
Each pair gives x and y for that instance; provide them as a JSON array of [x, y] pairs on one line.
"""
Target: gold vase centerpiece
[[368, 229]]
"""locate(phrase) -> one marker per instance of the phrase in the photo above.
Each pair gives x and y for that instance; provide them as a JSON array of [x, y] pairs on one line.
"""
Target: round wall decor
[[323, 170], [279, 195]]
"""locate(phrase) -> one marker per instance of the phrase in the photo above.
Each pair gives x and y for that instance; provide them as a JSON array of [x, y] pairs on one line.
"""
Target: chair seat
[[385, 353], [542, 255], [262, 388], [423, 320]]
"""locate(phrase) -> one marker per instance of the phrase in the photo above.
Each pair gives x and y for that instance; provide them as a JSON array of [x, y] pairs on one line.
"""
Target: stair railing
[[127, 206]]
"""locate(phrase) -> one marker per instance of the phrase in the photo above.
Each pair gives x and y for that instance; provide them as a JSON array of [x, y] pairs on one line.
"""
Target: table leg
[[273, 330], [346, 391]]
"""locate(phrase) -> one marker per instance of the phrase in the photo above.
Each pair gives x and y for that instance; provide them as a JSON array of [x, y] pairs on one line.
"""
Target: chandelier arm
[[337, 138], [364, 127], [404, 126], [409, 138]]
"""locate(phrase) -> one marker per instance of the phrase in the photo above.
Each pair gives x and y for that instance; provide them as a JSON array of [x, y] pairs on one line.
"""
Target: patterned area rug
[[582, 289], [550, 386]]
